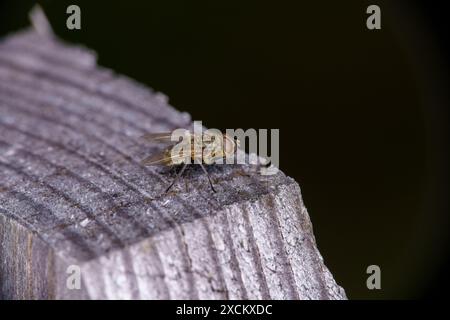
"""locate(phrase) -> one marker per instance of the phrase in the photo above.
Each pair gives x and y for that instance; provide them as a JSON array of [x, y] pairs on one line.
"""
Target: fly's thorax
[[213, 148], [229, 146]]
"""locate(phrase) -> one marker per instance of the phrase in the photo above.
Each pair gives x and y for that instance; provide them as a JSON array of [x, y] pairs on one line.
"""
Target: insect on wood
[[205, 148]]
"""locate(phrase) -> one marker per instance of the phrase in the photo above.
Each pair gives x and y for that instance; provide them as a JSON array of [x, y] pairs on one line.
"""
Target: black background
[[361, 113]]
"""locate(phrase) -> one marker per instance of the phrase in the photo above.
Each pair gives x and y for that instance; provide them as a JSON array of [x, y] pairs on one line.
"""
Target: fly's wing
[[161, 158], [168, 158], [162, 137]]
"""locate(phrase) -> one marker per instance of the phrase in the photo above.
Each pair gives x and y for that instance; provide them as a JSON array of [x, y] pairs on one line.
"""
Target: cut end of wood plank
[[73, 193]]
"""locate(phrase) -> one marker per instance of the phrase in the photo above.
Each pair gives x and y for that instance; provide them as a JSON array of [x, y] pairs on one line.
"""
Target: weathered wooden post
[[73, 196]]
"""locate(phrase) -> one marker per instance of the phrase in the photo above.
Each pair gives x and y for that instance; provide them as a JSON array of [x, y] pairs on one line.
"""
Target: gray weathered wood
[[72, 192]]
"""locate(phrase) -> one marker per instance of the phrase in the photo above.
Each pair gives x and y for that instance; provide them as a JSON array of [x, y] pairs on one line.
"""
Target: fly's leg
[[209, 179], [186, 183], [176, 178]]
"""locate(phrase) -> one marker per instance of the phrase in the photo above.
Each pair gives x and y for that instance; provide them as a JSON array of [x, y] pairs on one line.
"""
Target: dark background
[[361, 113]]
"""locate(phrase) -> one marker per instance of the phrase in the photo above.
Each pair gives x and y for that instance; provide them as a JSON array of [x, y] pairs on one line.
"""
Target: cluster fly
[[203, 148]]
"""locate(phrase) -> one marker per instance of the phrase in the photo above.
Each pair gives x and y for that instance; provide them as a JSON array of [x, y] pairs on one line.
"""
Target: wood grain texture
[[72, 192]]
